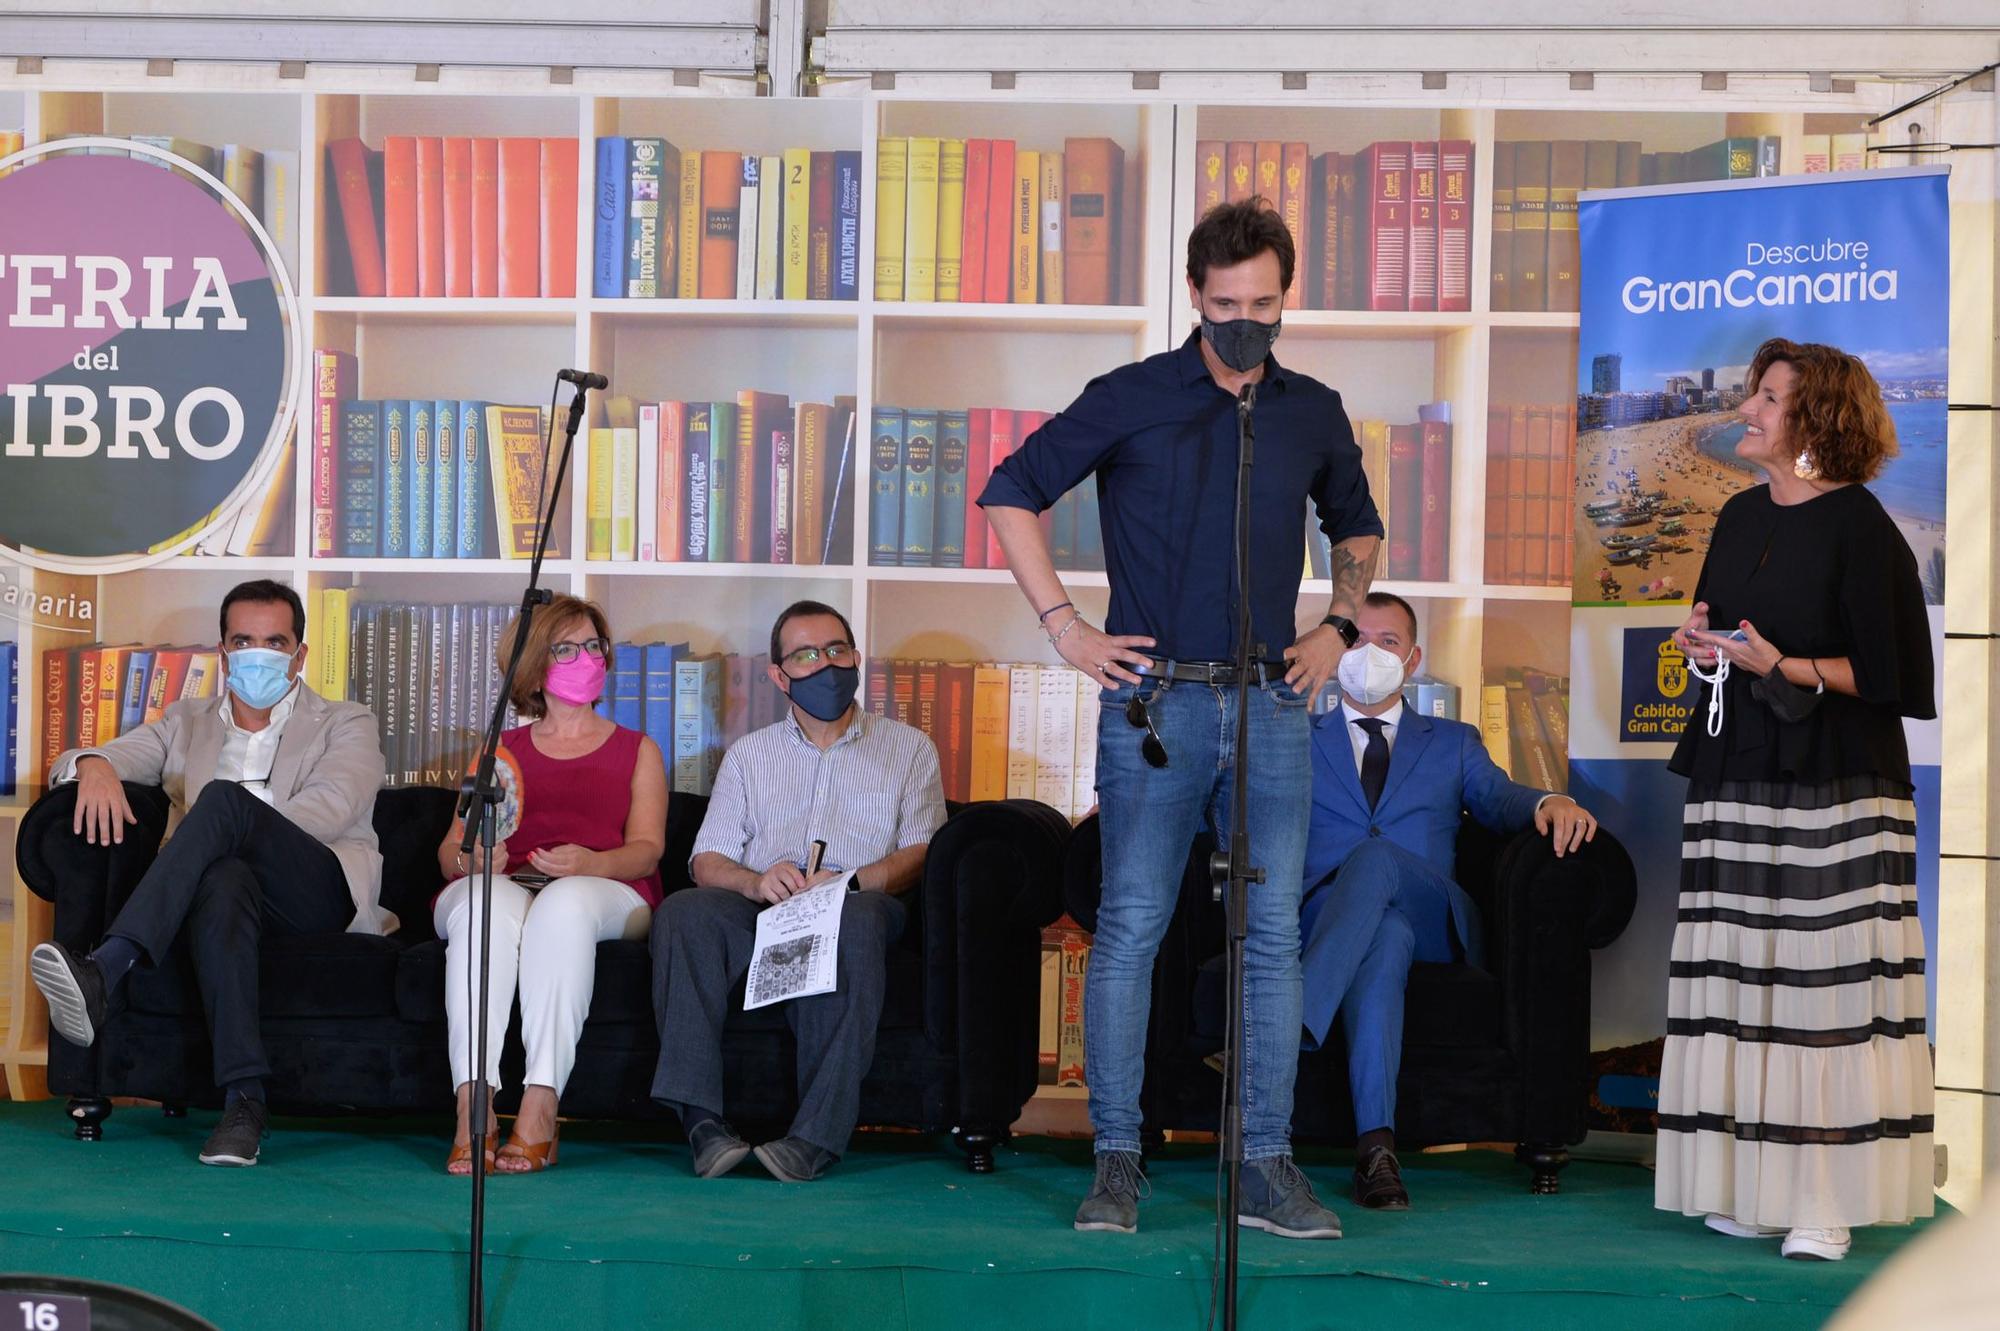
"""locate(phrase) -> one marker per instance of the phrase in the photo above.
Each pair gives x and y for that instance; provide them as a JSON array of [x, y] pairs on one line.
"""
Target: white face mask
[[1369, 674]]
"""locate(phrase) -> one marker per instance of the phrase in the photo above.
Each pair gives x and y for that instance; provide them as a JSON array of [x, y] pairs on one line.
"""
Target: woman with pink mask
[[580, 869]]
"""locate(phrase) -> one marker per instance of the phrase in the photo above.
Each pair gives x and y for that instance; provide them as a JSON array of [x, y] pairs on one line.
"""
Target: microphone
[[1246, 397], [583, 379]]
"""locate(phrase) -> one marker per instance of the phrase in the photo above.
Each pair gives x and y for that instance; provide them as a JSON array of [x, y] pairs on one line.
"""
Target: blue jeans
[[1148, 817]]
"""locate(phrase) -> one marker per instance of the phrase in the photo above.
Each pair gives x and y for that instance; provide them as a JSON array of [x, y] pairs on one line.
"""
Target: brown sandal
[[461, 1153], [539, 1155]]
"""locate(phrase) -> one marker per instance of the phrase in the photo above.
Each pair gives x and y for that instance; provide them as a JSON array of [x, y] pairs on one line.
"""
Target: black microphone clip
[[583, 379]]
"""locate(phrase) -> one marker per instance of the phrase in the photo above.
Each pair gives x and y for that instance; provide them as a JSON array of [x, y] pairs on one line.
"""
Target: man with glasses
[[827, 790], [1160, 438], [271, 830]]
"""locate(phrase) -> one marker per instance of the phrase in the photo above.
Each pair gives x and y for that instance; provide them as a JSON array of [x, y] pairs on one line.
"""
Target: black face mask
[[1241, 344], [827, 694]]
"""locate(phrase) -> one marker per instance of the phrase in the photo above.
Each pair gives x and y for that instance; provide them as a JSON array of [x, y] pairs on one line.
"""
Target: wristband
[[1044, 616], [1822, 677]]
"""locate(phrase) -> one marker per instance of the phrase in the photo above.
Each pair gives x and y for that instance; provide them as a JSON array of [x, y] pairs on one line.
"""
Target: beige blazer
[[329, 766]]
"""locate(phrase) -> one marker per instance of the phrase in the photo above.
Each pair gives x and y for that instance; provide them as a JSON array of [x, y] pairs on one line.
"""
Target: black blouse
[[1829, 577]]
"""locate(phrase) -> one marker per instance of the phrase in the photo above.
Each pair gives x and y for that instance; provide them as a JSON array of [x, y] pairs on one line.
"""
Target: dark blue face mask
[[827, 694]]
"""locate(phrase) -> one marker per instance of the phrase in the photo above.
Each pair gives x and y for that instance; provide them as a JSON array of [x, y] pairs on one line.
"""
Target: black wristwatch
[[1344, 627]]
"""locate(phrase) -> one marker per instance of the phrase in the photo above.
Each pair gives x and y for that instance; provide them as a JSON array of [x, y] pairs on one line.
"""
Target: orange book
[[1535, 533], [812, 460], [999, 224], [348, 160], [430, 217], [1517, 496], [721, 199], [1093, 173], [1496, 496], [458, 217], [1240, 168], [520, 217], [486, 217], [558, 229], [1269, 165], [1295, 161], [972, 226], [399, 214], [1210, 187]]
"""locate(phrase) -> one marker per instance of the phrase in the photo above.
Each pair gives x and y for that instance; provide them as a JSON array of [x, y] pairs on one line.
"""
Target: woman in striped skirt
[[1796, 1091]]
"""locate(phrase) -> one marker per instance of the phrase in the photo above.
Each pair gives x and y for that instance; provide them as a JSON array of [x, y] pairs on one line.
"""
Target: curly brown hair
[[549, 623], [1836, 416]]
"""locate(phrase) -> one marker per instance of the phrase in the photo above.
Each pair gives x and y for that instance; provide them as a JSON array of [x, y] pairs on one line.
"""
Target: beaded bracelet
[[1057, 636]]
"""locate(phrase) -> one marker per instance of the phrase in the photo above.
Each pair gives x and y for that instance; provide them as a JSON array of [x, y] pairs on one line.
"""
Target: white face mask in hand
[[1714, 682], [1368, 674]]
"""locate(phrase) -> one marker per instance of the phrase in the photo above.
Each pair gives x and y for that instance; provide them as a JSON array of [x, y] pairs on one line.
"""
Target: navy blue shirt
[[1161, 437]]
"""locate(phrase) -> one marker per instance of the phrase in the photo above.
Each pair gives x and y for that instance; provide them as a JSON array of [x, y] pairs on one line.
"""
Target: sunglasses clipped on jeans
[[1136, 715]]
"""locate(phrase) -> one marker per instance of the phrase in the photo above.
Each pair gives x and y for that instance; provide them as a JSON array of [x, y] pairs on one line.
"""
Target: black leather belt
[[1221, 673]]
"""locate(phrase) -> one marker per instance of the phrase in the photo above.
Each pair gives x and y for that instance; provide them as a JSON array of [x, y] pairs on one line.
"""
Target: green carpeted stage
[[353, 1224]]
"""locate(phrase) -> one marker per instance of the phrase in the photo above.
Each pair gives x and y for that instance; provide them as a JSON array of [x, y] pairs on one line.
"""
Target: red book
[[721, 204], [1382, 177], [333, 382], [978, 470], [1347, 277], [1406, 501], [954, 726], [520, 217], [348, 161], [84, 667], [430, 217], [1421, 280], [1000, 432], [399, 213], [878, 687], [1240, 169], [1434, 540], [819, 228], [1517, 496], [673, 508], [903, 693], [1093, 173], [1454, 224], [57, 677], [168, 678], [1496, 495], [458, 217], [558, 222], [972, 266], [929, 681], [999, 226], [1209, 187], [486, 217], [1294, 189]]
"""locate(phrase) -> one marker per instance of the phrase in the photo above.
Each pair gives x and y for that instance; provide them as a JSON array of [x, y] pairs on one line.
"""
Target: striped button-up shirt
[[875, 790]]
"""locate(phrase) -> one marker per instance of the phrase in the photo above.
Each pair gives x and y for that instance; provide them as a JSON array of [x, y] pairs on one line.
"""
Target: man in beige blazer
[[273, 793]]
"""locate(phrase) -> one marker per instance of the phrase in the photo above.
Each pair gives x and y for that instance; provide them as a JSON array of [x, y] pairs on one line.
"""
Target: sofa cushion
[[301, 975]]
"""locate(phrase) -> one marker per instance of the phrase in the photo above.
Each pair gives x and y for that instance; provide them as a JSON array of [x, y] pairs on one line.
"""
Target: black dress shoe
[[1378, 1181], [74, 988], [716, 1148], [239, 1136]]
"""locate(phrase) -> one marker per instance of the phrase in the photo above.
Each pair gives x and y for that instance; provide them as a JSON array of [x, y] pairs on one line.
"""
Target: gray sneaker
[[1113, 1203], [1275, 1197]]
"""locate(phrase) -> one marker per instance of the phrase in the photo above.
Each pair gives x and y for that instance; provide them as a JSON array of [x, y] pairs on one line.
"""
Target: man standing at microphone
[[1161, 438]]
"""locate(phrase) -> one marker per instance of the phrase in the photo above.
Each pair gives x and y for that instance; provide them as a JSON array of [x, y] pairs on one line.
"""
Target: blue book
[[627, 686], [396, 479], [722, 478], [360, 512], [132, 692], [473, 499], [697, 749], [444, 470], [919, 492], [611, 186], [953, 442], [422, 464], [885, 500], [1089, 527], [657, 693], [10, 722], [847, 225], [696, 494], [651, 180]]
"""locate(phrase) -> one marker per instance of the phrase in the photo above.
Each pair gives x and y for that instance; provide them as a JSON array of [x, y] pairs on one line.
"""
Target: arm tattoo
[[1352, 568]]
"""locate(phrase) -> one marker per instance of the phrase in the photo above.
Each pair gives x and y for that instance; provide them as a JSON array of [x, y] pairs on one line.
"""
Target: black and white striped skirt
[[1796, 1086]]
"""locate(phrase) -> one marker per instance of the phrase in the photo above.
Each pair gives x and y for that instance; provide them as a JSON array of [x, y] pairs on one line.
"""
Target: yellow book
[[892, 176], [797, 220], [1027, 241], [687, 284], [990, 686], [1493, 724], [11, 141], [600, 476], [1373, 437], [514, 455], [951, 217], [624, 492], [336, 643], [920, 235], [1051, 241], [111, 663]]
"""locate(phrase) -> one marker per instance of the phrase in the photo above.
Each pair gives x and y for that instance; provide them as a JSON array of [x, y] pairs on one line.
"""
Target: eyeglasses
[[808, 658], [1151, 747], [565, 652]]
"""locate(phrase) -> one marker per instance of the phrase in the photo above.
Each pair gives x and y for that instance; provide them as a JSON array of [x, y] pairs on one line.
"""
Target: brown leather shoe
[[1378, 1181]]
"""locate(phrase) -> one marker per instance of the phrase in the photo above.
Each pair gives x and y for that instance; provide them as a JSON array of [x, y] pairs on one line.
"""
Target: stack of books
[[995, 222], [1524, 720], [1409, 477], [452, 216], [725, 225], [1530, 494], [694, 706], [95, 693], [1387, 228]]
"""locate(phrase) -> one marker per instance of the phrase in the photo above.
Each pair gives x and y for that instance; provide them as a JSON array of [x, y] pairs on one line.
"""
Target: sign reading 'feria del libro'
[[149, 353]]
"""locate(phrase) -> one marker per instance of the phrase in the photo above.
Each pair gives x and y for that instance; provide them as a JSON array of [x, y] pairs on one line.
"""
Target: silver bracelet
[[1057, 636]]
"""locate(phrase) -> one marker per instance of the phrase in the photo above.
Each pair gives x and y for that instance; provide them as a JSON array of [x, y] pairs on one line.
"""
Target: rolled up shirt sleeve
[[1340, 492], [725, 828], [921, 809], [1068, 447]]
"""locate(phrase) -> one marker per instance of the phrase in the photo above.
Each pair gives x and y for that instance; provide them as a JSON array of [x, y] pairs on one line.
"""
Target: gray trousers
[[701, 949]]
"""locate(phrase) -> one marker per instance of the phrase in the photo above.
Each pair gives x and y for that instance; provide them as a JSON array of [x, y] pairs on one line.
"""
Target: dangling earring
[[1803, 467]]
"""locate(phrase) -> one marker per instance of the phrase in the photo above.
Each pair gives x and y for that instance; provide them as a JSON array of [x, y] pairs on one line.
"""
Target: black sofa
[[355, 1022], [1488, 1055]]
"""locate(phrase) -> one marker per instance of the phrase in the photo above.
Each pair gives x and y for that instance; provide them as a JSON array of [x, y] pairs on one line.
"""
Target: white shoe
[[1817, 1245], [1736, 1229]]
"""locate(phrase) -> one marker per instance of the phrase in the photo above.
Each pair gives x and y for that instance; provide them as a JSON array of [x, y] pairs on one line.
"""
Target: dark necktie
[[1374, 758]]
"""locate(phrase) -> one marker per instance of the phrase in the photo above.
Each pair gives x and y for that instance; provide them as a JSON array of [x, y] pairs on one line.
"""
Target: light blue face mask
[[257, 676]]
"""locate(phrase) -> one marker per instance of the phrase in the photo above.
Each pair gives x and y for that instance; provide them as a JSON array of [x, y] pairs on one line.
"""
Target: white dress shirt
[[248, 756]]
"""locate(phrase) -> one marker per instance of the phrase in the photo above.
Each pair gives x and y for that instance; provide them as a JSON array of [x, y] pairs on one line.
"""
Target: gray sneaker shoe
[[1113, 1203], [239, 1137], [1275, 1197], [716, 1148]]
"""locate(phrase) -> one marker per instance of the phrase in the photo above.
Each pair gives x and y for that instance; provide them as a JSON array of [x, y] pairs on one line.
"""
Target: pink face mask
[[580, 682]]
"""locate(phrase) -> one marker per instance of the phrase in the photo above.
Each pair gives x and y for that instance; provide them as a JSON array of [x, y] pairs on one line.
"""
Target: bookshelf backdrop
[[1432, 389]]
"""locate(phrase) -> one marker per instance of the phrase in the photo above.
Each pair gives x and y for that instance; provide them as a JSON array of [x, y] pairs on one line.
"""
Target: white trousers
[[547, 943]]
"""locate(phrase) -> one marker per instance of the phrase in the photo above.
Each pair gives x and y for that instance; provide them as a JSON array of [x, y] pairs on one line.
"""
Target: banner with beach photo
[[1680, 284]]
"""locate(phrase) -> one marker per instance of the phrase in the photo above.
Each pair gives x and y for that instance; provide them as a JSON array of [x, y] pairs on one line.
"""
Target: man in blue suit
[[1389, 790]]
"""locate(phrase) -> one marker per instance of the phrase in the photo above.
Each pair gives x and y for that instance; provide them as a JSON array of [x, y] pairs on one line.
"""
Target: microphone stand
[[478, 805], [1230, 869]]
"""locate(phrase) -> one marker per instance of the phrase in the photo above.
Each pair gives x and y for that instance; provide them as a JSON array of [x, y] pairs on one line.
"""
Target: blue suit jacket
[[1438, 771]]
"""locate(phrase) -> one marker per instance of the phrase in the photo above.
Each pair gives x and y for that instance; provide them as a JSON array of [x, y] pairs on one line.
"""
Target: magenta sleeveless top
[[577, 801]]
